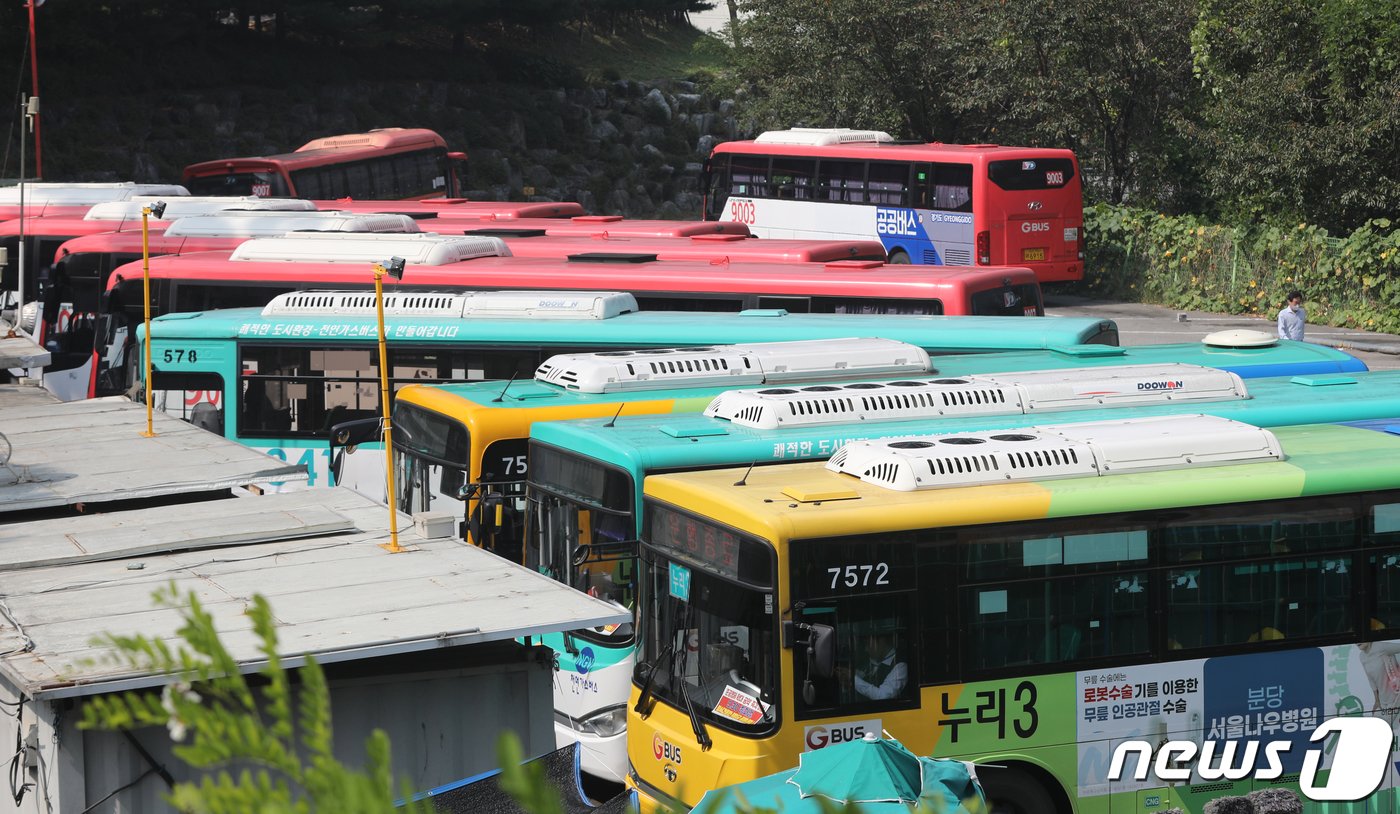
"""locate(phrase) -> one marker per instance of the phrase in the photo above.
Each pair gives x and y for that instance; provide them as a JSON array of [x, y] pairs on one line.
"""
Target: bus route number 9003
[[742, 211]]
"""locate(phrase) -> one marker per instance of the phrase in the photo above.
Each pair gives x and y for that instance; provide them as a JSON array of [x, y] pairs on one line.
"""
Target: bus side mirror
[[820, 643], [821, 651], [453, 480], [351, 434]]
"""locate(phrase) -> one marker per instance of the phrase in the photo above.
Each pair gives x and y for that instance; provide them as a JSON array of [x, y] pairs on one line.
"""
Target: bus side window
[[952, 187], [749, 176], [841, 181], [889, 183], [792, 178]]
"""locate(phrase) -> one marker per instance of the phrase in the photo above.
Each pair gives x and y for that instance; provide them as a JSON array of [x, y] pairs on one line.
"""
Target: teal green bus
[[585, 475], [280, 377], [1102, 611]]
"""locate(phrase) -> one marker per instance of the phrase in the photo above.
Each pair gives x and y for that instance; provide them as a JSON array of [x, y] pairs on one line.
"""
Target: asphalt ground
[[1149, 324]]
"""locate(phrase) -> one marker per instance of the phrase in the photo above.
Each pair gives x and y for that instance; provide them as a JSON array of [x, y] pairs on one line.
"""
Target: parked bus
[[591, 226], [460, 208], [258, 270], [311, 353], [1032, 596], [386, 164], [45, 198], [71, 299], [955, 204], [43, 235], [715, 248], [496, 459], [585, 499]]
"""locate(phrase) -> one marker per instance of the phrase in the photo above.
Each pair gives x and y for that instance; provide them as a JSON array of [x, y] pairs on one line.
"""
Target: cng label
[[815, 737], [585, 660]]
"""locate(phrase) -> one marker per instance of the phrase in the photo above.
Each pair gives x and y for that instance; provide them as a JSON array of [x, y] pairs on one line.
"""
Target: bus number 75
[[859, 576]]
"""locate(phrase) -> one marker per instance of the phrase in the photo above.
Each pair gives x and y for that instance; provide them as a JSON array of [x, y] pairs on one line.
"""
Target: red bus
[[43, 198], [69, 301], [586, 226], [44, 235], [714, 248], [460, 208], [393, 163], [259, 270], [953, 204]]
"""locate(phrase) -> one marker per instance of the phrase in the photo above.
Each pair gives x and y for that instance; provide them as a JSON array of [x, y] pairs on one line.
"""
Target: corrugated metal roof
[[337, 596], [93, 452], [20, 351]]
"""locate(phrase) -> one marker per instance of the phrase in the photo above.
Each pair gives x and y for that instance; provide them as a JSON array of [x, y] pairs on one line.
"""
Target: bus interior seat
[[207, 417]]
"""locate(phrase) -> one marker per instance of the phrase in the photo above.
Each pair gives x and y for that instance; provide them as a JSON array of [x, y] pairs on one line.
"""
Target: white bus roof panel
[[555, 305], [423, 249], [270, 224], [193, 205], [1054, 451], [1002, 394], [755, 363], [86, 194], [822, 136]]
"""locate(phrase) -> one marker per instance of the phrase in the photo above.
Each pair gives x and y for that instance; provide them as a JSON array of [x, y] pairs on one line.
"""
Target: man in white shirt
[[1292, 317], [883, 675]]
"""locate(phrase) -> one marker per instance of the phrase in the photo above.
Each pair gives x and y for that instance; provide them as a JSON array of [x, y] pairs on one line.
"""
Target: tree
[[849, 63], [1302, 111], [1106, 79], [220, 720]]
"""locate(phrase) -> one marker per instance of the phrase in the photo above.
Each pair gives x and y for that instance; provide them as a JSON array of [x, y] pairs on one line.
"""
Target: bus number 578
[[741, 211]]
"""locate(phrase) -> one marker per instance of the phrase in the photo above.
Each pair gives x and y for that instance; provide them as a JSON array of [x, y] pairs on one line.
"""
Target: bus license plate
[[1028, 255]]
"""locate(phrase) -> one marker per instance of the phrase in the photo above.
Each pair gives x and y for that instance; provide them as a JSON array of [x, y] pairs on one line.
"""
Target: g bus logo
[[816, 737], [1359, 764], [664, 750], [585, 660]]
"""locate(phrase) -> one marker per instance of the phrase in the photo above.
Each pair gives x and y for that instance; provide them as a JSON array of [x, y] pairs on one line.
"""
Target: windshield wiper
[[651, 678], [702, 736]]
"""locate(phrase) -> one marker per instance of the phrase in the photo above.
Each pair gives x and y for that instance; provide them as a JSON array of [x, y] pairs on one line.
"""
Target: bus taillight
[[984, 248]]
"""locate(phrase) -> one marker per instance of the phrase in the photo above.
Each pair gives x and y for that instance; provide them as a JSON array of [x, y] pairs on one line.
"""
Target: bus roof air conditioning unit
[[755, 363], [270, 224], [553, 305], [1001, 394], [823, 136], [1054, 452], [426, 249], [193, 205], [86, 194], [361, 304]]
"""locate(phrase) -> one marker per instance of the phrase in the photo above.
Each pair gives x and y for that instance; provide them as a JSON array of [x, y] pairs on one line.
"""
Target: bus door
[[496, 503]]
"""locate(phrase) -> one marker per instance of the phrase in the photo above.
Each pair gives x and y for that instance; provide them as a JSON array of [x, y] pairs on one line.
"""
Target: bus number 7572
[[858, 576]]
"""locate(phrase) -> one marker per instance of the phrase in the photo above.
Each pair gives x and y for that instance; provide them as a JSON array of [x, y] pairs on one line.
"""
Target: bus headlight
[[606, 723]]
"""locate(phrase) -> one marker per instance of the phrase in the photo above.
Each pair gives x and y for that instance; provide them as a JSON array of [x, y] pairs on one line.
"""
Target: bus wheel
[[899, 257], [1017, 791]]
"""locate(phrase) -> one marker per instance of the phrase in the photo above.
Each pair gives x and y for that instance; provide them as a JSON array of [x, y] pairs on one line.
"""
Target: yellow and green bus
[[1032, 599]]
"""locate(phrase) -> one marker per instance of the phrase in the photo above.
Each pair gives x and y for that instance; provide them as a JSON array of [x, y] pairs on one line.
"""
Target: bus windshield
[[708, 643], [265, 184]]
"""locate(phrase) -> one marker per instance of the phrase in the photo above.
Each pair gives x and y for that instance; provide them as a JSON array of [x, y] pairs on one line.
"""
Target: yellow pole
[[393, 546], [146, 276]]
